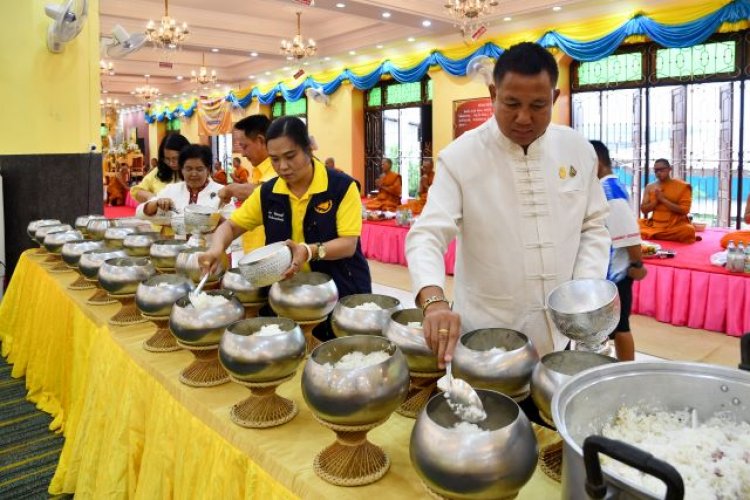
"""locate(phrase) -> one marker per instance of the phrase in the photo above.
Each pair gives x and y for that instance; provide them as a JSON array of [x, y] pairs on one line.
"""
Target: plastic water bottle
[[747, 259], [731, 256], [739, 259]]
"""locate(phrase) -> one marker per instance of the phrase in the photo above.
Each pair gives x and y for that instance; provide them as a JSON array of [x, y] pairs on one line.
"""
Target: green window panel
[[700, 60], [616, 68], [429, 89], [173, 125], [403, 93], [277, 110], [295, 108], [375, 97]]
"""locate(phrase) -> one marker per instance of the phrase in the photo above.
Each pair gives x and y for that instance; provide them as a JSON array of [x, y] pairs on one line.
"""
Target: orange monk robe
[[665, 224], [240, 174], [416, 206], [389, 197], [220, 177], [116, 191]]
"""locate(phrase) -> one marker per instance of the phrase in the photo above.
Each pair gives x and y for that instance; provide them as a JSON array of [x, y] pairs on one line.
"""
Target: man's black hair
[[253, 125], [528, 59]]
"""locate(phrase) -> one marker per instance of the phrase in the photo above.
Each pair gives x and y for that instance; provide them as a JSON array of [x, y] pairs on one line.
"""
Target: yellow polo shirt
[[261, 173], [348, 215], [150, 183]]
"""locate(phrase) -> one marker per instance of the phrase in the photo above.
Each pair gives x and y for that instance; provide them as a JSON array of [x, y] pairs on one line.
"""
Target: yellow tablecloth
[[132, 430]]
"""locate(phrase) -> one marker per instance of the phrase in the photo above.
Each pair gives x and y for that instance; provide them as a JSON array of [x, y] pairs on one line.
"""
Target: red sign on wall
[[470, 113]]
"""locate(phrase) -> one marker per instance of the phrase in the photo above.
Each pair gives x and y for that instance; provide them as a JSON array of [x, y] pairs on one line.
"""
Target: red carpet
[[118, 212], [693, 256]]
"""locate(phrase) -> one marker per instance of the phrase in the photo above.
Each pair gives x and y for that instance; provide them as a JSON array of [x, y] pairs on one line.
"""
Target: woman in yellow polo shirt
[[316, 211], [167, 171]]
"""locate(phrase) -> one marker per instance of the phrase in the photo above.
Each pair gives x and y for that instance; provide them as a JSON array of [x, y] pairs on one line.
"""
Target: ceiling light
[[467, 14], [411, 39], [105, 91], [286, 68], [352, 52], [106, 68], [506, 19], [305, 63], [268, 73], [289, 58], [146, 92], [253, 54], [557, 8], [180, 77], [426, 23], [214, 50], [386, 14], [297, 47], [203, 76], [340, 5], [168, 34], [251, 77], [379, 46], [326, 58]]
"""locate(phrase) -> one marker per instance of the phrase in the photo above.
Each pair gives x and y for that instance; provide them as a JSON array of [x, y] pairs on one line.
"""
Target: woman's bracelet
[[309, 252]]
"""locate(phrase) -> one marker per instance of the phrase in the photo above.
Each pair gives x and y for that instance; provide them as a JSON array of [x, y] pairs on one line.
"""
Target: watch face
[[321, 251]]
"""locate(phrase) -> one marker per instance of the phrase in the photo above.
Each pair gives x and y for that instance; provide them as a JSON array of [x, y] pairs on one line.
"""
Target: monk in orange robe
[[389, 183], [425, 181], [117, 188], [239, 174], [668, 200], [739, 236]]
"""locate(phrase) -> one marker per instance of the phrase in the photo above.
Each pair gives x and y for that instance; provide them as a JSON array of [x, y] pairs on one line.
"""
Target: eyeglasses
[[194, 170]]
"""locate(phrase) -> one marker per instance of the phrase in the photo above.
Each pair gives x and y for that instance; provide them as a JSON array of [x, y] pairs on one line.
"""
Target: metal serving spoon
[[462, 398], [192, 295]]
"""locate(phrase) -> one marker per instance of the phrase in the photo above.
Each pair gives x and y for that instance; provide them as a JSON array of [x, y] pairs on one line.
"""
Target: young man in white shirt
[[625, 264]]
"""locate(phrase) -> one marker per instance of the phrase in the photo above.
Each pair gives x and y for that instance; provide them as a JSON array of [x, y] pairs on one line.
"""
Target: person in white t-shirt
[[625, 264]]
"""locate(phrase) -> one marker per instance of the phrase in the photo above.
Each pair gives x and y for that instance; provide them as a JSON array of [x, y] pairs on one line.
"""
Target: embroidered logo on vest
[[276, 216], [563, 172], [573, 171], [324, 207]]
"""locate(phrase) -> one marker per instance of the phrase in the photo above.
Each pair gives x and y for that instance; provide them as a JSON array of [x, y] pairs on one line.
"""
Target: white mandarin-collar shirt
[[525, 223]]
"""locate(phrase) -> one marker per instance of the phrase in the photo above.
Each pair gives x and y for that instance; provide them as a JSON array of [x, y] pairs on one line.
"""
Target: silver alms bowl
[[92, 260], [200, 219], [356, 396], [306, 296], [55, 240], [139, 244], [243, 290], [555, 369], [249, 357], [121, 275], [585, 310], [348, 320], [35, 224], [96, 227], [164, 252], [82, 222], [43, 230], [72, 250], [411, 341], [461, 463], [114, 236], [204, 327], [479, 359], [156, 296]]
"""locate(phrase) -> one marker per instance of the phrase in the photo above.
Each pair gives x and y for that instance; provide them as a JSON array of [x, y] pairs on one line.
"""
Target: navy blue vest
[[352, 274]]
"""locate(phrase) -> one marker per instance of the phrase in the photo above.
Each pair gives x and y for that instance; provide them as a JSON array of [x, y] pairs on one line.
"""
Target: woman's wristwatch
[[320, 252]]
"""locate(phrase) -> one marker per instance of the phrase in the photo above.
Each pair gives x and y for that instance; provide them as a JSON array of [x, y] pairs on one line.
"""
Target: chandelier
[[296, 48], [203, 77], [109, 103], [146, 92], [106, 68], [167, 34], [467, 14]]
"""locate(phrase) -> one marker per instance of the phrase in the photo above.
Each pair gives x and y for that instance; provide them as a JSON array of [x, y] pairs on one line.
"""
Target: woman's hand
[[299, 258], [441, 327], [165, 204]]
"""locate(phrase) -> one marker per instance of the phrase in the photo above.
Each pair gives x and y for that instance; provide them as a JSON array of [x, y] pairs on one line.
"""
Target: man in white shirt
[[625, 264], [523, 199]]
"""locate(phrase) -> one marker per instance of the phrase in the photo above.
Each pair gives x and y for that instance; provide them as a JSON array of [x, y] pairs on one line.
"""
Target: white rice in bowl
[[268, 330], [713, 457], [357, 359], [203, 300], [368, 306], [469, 428]]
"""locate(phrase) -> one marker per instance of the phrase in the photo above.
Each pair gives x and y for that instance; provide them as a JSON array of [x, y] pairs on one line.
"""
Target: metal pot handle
[[632, 456]]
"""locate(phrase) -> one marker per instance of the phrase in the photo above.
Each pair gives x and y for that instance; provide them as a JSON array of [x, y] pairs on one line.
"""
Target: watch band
[[431, 300]]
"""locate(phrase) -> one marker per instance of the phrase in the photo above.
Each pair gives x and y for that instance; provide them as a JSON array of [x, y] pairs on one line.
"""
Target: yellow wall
[[338, 129], [189, 128], [446, 89], [50, 101]]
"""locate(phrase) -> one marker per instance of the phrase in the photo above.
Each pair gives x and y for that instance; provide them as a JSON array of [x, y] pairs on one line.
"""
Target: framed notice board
[[470, 113]]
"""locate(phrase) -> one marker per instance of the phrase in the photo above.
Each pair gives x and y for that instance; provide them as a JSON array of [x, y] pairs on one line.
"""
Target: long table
[[132, 430]]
